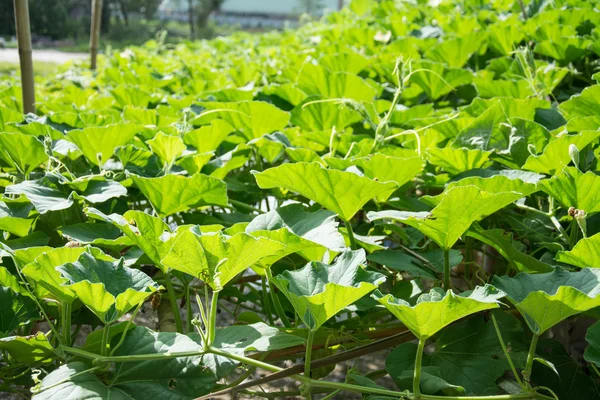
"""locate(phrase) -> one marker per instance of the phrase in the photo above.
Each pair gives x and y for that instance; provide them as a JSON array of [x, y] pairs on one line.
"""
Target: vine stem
[[66, 322], [212, 322], [417, 374], [348, 226], [530, 357], [510, 362], [446, 269], [105, 336], [188, 308], [278, 308], [265, 300], [173, 300], [307, 358]]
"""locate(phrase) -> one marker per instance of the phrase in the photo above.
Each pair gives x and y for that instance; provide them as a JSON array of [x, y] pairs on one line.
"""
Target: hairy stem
[[265, 300], [307, 357], [212, 323], [66, 322], [278, 308], [350, 234], [105, 336]]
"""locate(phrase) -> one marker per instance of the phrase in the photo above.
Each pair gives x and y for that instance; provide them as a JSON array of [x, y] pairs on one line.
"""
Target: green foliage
[[414, 174]]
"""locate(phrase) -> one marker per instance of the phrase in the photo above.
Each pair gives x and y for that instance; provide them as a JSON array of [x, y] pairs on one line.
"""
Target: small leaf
[[166, 147], [573, 188], [585, 254]]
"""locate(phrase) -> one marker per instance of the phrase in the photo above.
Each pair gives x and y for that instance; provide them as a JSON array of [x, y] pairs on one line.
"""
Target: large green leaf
[[585, 104], [556, 154], [98, 144], [22, 151], [544, 300], [585, 254], [107, 288], [208, 138], [458, 208], [573, 188], [216, 258], [14, 217], [182, 378], [182, 193], [314, 115], [455, 52], [166, 147], [437, 80], [15, 310], [457, 160], [438, 309], [512, 250], [32, 349], [316, 80], [151, 234], [341, 192], [318, 291], [252, 118], [319, 226], [43, 197]]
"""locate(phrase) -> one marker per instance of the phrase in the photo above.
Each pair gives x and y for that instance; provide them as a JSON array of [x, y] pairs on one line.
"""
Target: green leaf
[[438, 309], [240, 339], [573, 188], [166, 147], [24, 152], [209, 137], [183, 192], [318, 291], [457, 160], [49, 284], [99, 234], [484, 132], [437, 80], [316, 80], [455, 52], [151, 234], [101, 191], [176, 378], [592, 353], [341, 192], [400, 364], [43, 198], [319, 226], [252, 118], [556, 154], [98, 144], [544, 300], [584, 104], [565, 49], [32, 349], [107, 288], [510, 249], [14, 217], [585, 254], [314, 115], [458, 208], [15, 310], [215, 258]]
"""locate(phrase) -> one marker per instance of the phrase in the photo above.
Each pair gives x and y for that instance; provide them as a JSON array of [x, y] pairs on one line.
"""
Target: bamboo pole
[[26, 62], [95, 31]]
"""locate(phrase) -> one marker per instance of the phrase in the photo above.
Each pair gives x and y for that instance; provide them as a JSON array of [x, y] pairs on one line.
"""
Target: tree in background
[[203, 10], [310, 6]]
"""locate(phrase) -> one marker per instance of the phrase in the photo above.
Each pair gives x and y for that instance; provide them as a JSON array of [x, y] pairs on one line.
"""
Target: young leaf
[[209, 137], [438, 309], [546, 299], [457, 160], [183, 192], [166, 147], [318, 291], [458, 208], [341, 192]]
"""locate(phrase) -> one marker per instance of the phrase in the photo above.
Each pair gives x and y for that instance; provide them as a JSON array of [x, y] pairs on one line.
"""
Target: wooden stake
[[95, 31], [24, 43]]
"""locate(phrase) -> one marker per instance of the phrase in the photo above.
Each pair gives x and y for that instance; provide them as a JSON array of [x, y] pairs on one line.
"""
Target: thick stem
[[307, 358], [447, 269], [530, 357], [417, 374], [95, 31], [212, 322], [278, 308], [26, 61], [173, 301], [350, 234], [188, 308], [105, 336], [508, 358]]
